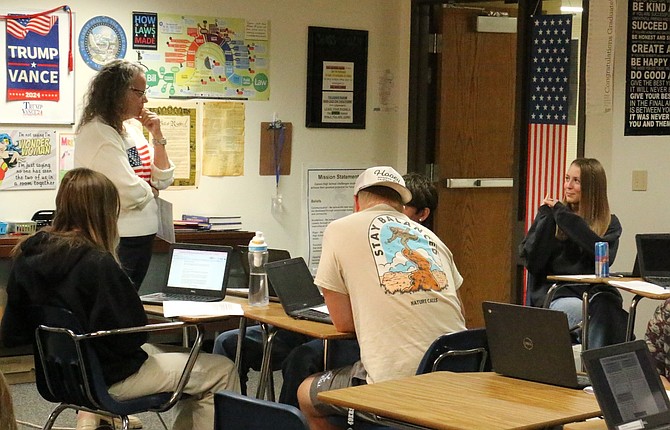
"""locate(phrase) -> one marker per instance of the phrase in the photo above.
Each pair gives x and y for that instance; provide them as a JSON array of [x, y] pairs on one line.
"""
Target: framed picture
[[337, 68]]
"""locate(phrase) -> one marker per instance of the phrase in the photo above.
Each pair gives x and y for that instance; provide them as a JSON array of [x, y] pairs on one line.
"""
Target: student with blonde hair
[[73, 264], [561, 241]]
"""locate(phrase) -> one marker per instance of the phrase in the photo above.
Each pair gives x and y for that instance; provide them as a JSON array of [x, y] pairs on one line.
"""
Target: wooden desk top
[[445, 400], [272, 314], [587, 279], [661, 294]]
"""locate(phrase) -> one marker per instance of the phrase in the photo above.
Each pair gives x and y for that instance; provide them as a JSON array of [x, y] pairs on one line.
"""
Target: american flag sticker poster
[[37, 87], [547, 109], [32, 58]]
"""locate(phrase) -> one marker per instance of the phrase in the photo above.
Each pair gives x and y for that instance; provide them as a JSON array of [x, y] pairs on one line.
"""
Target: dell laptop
[[628, 387], [195, 273], [531, 343], [653, 253], [294, 285]]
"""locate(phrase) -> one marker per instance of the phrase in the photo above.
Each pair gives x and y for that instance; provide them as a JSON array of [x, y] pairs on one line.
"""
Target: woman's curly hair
[[105, 97]]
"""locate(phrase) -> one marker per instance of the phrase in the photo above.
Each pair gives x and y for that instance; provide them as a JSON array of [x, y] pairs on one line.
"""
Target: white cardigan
[[101, 148]]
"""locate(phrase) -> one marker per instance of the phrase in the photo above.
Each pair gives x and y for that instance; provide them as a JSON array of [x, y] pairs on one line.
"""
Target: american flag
[[548, 110], [41, 25]]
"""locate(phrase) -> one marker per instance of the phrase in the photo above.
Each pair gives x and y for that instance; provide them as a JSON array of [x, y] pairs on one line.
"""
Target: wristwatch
[[162, 141]]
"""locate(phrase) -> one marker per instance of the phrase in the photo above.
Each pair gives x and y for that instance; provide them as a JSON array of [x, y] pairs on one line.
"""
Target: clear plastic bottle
[[258, 278]]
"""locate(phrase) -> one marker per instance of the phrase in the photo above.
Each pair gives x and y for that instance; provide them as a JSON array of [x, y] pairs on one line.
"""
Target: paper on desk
[[178, 308], [577, 277], [641, 286]]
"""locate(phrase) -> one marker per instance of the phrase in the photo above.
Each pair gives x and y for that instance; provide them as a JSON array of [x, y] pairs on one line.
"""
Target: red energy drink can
[[602, 260]]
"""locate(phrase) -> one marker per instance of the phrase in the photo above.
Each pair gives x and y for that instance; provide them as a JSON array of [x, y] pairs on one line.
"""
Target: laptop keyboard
[[314, 315], [661, 281], [188, 297]]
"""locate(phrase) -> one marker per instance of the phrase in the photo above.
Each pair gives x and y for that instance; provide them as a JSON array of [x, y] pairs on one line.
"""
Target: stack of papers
[[177, 308]]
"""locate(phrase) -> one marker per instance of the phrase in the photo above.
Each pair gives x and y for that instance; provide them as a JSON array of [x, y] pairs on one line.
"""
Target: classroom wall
[[384, 140], [639, 211]]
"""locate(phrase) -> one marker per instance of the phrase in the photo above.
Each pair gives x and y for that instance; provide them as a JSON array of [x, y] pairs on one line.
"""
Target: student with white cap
[[390, 280]]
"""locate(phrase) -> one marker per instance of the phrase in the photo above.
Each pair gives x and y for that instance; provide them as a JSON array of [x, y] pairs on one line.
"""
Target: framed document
[[337, 63]]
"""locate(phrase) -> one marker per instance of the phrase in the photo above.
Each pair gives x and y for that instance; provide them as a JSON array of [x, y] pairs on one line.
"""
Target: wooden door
[[476, 141]]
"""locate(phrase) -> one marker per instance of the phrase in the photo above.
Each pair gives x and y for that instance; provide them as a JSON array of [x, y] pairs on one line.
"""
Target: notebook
[[628, 387], [295, 288], [531, 343], [241, 260], [195, 272], [653, 253]]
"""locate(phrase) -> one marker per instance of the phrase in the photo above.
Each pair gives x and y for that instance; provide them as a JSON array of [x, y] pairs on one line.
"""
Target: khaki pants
[[161, 372]]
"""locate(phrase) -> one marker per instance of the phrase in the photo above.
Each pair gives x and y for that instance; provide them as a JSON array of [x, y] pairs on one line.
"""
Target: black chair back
[[234, 411], [68, 370], [463, 351]]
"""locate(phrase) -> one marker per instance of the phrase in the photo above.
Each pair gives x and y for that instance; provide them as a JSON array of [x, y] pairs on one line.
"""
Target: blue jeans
[[252, 349]]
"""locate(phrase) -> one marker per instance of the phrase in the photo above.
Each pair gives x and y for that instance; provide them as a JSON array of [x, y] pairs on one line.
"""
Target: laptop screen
[[201, 268], [294, 284], [653, 251], [625, 383]]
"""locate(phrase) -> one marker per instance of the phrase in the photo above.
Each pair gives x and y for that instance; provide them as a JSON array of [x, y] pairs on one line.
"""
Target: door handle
[[479, 183]]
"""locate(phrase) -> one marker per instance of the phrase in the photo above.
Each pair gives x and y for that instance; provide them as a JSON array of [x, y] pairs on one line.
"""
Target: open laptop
[[628, 387], [241, 261], [653, 253], [295, 288], [195, 272], [531, 343]]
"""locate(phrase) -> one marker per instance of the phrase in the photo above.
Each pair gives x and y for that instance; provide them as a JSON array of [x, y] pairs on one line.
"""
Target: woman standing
[[73, 264], [107, 142], [561, 241]]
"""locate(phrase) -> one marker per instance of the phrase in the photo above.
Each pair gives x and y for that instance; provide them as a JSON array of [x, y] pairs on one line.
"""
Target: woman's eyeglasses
[[140, 93]]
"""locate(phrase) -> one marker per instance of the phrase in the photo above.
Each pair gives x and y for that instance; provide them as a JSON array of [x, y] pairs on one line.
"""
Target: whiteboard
[[35, 84]]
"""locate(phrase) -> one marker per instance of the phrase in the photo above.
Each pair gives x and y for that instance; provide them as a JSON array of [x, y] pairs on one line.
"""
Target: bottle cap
[[257, 243]]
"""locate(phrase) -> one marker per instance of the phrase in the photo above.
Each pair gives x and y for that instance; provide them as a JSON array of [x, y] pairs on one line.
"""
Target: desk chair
[[234, 411], [462, 351], [68, 372]]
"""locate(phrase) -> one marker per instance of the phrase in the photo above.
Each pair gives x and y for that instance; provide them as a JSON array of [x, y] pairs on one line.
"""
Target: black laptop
[[241, 268], [195, 273], [653, 253], [295, 288], [531, 343], [628, 387]]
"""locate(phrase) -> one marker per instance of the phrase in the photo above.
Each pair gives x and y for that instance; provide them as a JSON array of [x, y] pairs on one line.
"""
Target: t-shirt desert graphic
[[407, 258]]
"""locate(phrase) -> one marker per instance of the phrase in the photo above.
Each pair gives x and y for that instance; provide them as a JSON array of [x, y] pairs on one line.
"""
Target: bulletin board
[[36, 85], [337, 68]]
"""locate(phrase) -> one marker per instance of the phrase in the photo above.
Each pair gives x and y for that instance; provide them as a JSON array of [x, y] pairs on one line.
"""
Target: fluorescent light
[[572, 9]]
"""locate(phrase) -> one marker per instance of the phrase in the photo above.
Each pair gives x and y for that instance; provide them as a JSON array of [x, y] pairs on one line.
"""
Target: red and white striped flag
[[41, 25], [548, 110]]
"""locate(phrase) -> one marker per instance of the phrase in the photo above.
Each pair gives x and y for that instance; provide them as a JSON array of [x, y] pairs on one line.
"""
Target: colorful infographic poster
[[206, 57]]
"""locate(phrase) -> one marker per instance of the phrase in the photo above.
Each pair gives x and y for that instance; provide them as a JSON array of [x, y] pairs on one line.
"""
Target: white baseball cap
[[383, 176]]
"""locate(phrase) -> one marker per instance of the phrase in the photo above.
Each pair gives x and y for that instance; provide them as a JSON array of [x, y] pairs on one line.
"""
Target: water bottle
[[258, 278]]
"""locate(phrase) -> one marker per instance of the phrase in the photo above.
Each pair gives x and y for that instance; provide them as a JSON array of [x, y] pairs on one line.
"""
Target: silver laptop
[[653, 253], [531, 343], [195, 273], [628, 387], [295, 288]]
